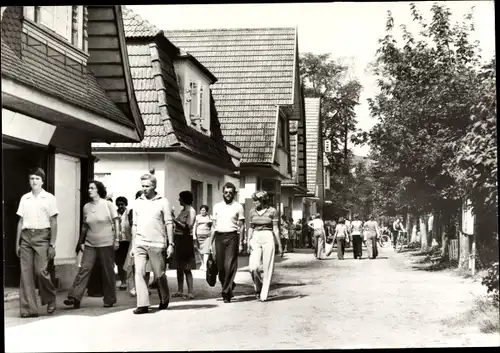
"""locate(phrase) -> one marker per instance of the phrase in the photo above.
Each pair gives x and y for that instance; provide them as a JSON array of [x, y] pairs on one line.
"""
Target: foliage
[[428, 87], [491, 281]]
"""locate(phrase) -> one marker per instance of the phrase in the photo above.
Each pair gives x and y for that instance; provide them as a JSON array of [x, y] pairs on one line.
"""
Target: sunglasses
[[228, 192]]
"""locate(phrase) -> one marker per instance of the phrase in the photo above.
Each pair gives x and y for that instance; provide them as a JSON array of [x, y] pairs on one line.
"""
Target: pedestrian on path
[[202, 228], [318, 234], [371, 233], [129, 261], [124, 240], [100, 233], [35, 245], [285, 233], [228, 224], [263, 220], [396, 228], [184, 240], [341, 234], [293, 234], [152, 233], [357, 237], [299, 235]]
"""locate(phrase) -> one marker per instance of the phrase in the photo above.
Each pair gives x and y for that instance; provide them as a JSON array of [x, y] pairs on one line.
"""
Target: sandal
[[177, 295], [189, 296]]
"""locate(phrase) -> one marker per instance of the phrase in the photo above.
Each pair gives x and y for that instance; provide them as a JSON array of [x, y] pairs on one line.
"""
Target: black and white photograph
[[249, 176]]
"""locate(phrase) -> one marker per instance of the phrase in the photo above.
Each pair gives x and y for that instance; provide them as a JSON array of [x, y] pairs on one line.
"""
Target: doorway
[[197, 190], [17, 160]]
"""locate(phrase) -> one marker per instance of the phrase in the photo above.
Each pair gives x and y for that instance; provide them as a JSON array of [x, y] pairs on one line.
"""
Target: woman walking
[[100, 234], [202, 227], [263, 232], [357, 237], [371, 233], [285, 235], [292, 234], [341, 234], [124, 240], [184, 247]]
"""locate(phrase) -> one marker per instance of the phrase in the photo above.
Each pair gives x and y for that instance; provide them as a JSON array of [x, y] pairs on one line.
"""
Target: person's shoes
[[26, 315], [72, 302], [133, 293], [51, 307], [164, 305], [122, 287], [227, 300], [178, 295], [108, 305], [189, 296], [141, 310]]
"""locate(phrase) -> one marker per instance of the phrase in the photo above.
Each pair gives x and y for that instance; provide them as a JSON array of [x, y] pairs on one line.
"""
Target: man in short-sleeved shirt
[[228, 221], [35, 245]]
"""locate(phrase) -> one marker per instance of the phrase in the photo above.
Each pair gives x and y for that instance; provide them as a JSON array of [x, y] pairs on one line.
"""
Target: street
[[382, 303]]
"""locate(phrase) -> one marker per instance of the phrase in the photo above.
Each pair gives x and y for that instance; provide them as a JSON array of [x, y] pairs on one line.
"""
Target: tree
[[428, 86], [326, 79]]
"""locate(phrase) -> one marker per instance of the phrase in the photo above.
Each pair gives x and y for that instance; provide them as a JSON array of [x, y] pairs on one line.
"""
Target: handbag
[[328, 248], [211, 274]]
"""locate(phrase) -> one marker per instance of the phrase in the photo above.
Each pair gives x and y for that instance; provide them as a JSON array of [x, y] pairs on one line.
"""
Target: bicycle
[[402, 240], [384, 240]]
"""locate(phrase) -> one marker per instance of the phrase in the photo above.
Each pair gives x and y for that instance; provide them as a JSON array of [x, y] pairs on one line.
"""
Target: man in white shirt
[[318, 228], [35, 245], [227, 228]]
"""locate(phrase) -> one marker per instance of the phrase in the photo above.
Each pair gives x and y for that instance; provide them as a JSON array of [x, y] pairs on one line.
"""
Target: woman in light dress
[[202, 228]]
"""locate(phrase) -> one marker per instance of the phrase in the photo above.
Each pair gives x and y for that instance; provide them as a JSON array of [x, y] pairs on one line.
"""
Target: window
[[66, 21], [197, 190], [196, 101], [209, 196]]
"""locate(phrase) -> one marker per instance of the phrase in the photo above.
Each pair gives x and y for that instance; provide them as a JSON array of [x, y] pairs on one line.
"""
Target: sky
[[347, 30]]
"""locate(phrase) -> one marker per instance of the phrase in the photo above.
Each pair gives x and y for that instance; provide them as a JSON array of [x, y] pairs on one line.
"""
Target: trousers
[[357, 245], [34, 246], [262, 255], [156, 257], [340, 248], [106, 256], [371, 247], [120, 256], [226, 251]]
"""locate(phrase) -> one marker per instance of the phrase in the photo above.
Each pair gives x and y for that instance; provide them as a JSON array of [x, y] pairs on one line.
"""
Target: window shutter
[[193, 87], [200, 105]]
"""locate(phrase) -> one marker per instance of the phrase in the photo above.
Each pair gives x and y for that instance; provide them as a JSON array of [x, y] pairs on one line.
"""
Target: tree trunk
[[424, 241], [436, 228], [463, 244]]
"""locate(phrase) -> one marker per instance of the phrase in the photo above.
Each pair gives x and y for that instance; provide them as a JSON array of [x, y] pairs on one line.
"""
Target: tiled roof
[[255, 72], [161, 108], [136, 26], [50, 76], [312, 107]]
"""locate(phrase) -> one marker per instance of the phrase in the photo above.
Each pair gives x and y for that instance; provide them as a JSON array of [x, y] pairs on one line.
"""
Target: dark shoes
[[141, 310], [72, 302], [108, 305], [26, 315], [164, 305], [51, 307]]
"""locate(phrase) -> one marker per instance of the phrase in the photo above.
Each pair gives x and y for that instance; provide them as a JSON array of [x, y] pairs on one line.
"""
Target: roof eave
[[203, 68]]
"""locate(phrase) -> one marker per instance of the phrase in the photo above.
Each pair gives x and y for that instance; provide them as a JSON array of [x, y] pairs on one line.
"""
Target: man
[[227, 228], [152, 226], [35, 245], [318, 231], [396, 228], [124, 240]]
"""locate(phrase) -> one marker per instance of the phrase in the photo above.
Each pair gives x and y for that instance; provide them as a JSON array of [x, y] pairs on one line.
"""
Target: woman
[[298, 233], [184, 244], [263, 232], [100, 233], [292, 233], [202, 227], [129, 261], [341, 233], [371, 233], [124, 240], [357, 237], [285, 235]]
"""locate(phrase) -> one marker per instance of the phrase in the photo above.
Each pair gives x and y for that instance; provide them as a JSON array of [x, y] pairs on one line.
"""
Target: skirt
[[184, 252], [203, 239]]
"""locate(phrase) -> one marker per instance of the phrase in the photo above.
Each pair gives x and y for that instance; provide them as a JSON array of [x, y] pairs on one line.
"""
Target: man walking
[[227, 228], [152, 226], [35, 245], [317, 227]]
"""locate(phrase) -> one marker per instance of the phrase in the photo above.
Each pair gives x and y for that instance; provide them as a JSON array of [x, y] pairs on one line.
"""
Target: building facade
[[183, 144], [66, 82]]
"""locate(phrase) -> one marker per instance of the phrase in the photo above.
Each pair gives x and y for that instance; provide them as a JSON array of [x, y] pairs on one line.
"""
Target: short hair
[[204, 207], [291, 219], [121, 199], [186, 197], [342, 220], [101, 189], [149, 177], [38, 172], [283, 217], [229, 185], [261, 196]]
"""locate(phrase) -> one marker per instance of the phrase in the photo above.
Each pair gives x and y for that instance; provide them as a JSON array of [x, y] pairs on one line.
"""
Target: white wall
[[298, 208], [246, 190]]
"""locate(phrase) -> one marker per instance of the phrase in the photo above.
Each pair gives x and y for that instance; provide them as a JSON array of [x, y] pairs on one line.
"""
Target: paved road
[[314, 304]]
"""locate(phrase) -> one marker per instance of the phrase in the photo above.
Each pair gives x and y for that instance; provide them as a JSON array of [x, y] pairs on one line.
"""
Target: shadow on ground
[[191, 306]]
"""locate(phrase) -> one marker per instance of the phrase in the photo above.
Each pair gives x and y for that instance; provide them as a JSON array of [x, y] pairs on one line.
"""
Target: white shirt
[[37, 210], [318, 226], [226, 216]]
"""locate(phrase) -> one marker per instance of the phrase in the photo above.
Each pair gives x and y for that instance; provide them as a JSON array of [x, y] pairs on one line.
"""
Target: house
[[183, 144], [257, 95], [314, 201], [66, 83]]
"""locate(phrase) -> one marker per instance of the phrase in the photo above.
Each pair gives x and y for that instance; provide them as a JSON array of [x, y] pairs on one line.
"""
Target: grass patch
[[484, 314]]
